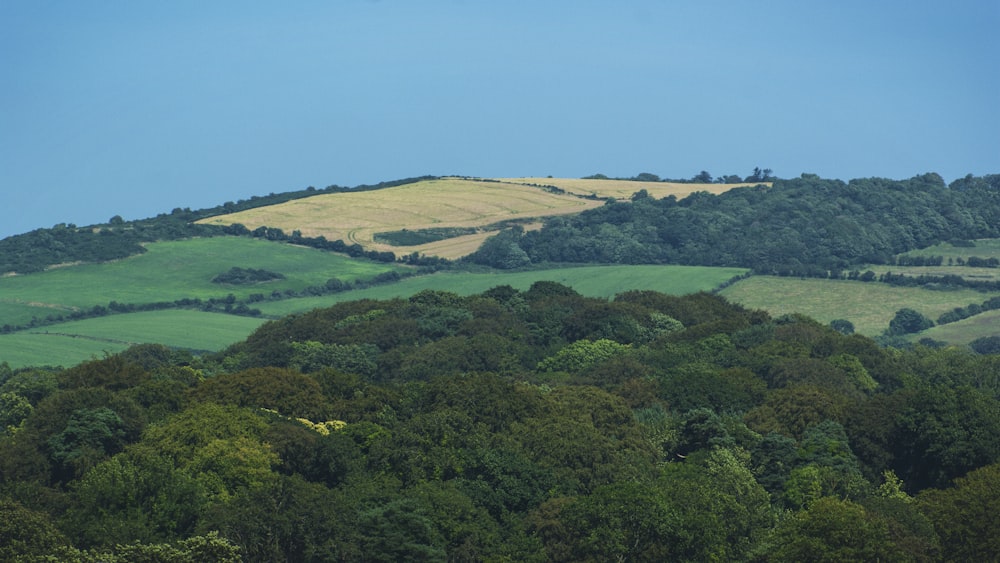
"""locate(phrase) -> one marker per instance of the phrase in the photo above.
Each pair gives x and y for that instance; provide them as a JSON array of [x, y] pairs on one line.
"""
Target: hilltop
[[454, 215], [926, 241], [675, 374]]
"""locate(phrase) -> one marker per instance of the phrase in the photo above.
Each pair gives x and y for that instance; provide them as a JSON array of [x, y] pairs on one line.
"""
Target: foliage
[[246, 276], [414, 237], [965, 515], [804, 226], [832, 530], [524, 425], [581, 355], [908, 321]]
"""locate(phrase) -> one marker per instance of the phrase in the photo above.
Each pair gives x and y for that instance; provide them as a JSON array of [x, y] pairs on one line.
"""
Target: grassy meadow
[[984, 248], [966, 330], [174, 270], [592, 281], [870, 306], [355, 217], [33, 349], [971, 274], [623, 189], [70, 343]]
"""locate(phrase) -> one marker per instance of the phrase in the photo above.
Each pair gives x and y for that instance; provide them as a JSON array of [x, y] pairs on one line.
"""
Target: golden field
[[623, 189], [355, 217]]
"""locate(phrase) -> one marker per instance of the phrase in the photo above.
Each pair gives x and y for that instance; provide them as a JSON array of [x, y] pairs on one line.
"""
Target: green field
[[30, 349], [174, 270], [984, 248], [72, 342], [870, 306], [971, 274], [17, 314], [966, 330], [592, 281]]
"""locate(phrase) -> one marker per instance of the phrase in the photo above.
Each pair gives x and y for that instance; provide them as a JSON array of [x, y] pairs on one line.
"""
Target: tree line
[[67, 243], [530, 425], [801, 226]]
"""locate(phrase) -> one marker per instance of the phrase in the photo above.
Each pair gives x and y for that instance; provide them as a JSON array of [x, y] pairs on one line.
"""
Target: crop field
[[448, 202], [174, 270], [623, 189], [70, 343], [870, 306], [964, 331], [592, 281]]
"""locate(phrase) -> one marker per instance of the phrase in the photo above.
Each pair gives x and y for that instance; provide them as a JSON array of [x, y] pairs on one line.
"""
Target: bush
[[246, 276], [908, 321]]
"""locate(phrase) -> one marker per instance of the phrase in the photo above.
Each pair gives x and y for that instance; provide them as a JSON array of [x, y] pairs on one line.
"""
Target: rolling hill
[[457, 203], [48, 312]]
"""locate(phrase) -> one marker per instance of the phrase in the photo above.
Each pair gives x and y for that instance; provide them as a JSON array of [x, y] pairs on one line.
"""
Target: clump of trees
[[246, 276], [509, 425]]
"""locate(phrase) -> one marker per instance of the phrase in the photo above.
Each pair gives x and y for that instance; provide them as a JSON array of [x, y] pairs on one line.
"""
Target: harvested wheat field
[[355, 217], [623, 189]]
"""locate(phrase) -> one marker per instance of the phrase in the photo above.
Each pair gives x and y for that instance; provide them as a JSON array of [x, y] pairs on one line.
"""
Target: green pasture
[[966, 330], [174, 270], [592, 281], [984, 248], [870, 306], [972, 274], [72, 342], [15, 314], [33, 349]]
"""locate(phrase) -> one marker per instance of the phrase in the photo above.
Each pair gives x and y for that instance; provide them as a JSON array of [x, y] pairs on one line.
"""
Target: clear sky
[[135, 107]]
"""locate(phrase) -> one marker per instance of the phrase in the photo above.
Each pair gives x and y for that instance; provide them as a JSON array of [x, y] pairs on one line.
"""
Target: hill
[[453, 203], [514, 417], [804, 227], [204, 326], [463, 212], [625, 189]]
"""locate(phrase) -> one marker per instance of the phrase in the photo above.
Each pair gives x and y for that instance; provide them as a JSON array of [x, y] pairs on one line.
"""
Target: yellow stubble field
[[623, 189], [355, 217]]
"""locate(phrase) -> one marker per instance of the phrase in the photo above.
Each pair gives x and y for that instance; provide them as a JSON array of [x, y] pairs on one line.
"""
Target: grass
[[984, 248], [623, 189], [966, 330], [28, 349], [592, 281], [972, 274], [355, 217], [72, 342], [174, 270], [17, 313], [869, 306]]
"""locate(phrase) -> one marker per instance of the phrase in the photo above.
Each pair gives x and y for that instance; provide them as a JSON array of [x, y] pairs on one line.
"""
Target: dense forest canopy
[[510, 425]]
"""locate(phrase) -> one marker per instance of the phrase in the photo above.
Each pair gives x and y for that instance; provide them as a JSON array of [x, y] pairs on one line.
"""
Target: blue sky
[[134, 107]]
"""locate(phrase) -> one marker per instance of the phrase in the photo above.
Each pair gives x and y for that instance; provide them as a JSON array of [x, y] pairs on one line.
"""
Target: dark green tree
[[908, 321]]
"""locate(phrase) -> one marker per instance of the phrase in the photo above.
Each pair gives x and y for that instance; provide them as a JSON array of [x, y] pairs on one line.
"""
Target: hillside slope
[[460, 204]]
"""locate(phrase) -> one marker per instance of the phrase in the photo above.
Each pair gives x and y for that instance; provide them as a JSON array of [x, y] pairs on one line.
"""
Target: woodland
[[510, 425], [530, 425], [803, 226]]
